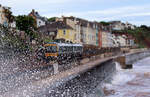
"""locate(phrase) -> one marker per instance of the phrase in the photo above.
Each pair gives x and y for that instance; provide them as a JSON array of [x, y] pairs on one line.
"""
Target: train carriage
[[62, 51]]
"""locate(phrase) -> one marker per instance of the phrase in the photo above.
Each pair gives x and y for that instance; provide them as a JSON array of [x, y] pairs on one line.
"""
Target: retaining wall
[[84, 84]]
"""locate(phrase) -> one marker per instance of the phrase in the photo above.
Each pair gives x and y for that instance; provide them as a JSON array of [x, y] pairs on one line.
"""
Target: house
[[85, 31], [100, 38], [97, 26], [121, 40], [117, 25], [130, 26], [40, 21], [125, 39], [92, 31], [105, 37], [13, 24], [130, 41], [3, 19], [48, 31], [57, 31], [74, 24], [65, 32]]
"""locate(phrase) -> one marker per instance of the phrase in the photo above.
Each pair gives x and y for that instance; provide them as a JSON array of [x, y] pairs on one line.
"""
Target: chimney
[[33, 11]]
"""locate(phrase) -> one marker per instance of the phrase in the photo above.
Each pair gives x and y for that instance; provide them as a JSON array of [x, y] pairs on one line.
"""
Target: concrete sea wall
[[88, 83], [81, 81], [85, 84], [127, 60]]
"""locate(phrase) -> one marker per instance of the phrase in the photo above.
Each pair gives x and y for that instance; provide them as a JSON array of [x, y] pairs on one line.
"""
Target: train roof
[[65, 44], [77, 45]]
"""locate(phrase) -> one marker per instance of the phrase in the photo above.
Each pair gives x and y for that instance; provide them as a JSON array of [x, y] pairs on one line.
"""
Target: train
[[54, 51]]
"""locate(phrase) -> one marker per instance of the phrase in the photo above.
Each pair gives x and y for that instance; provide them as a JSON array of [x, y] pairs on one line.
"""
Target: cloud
[[112, 11], [137, 14], [139, 23], [24, 6], [99, 10], [33, 2]]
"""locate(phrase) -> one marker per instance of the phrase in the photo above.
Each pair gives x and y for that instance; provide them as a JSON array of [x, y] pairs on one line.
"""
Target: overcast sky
[[133, 11]]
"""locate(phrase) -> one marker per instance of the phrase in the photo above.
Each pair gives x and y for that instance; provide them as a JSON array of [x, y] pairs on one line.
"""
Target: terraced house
[[73, 23], [91, 33], [3, 19], [57, 31], [106, 37], [85, 32]]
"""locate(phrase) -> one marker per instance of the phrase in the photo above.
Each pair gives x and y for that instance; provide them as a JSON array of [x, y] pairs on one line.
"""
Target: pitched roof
[[53, 26], [58, 25], [82, 22], [37, 15]]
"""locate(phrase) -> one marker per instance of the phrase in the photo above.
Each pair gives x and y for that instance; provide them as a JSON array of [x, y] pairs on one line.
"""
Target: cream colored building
[[91, 33], [3, 19], [104, 39], [122, 40]]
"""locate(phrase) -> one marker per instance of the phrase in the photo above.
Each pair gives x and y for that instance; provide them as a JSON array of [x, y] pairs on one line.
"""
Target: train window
[[79, 49], [61, 49], [68, 48], [71, 48], [64, 48], [51, 49], [74, 48]]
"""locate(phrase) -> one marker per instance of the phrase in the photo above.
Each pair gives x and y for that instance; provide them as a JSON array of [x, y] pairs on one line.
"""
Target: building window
[[75, 36], [39, 22], [64, 32]]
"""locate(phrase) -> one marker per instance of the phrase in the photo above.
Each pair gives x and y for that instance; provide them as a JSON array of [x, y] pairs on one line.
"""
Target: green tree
[[104, 23], [144, 27], [25, 23], [53, 19], [141, 34]]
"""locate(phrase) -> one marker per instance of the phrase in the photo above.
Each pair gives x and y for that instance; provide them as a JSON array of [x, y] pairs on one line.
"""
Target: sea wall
[[127, 60], [81, 81], [85, 84]]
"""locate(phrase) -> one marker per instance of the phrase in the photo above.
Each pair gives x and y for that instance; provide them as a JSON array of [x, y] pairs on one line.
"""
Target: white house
[[129, 26], [40, 21], [121, 40], [13, 24], [108, 39], [117, 25]]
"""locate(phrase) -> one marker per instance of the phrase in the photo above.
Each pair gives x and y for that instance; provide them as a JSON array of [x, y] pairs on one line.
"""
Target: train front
[[51, 51]]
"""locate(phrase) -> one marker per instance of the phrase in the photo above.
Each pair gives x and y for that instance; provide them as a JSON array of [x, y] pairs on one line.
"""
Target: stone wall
[[84, 84]]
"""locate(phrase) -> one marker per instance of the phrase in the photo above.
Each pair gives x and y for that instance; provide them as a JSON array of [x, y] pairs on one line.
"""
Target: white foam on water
[[122, 78], [118, 66]]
